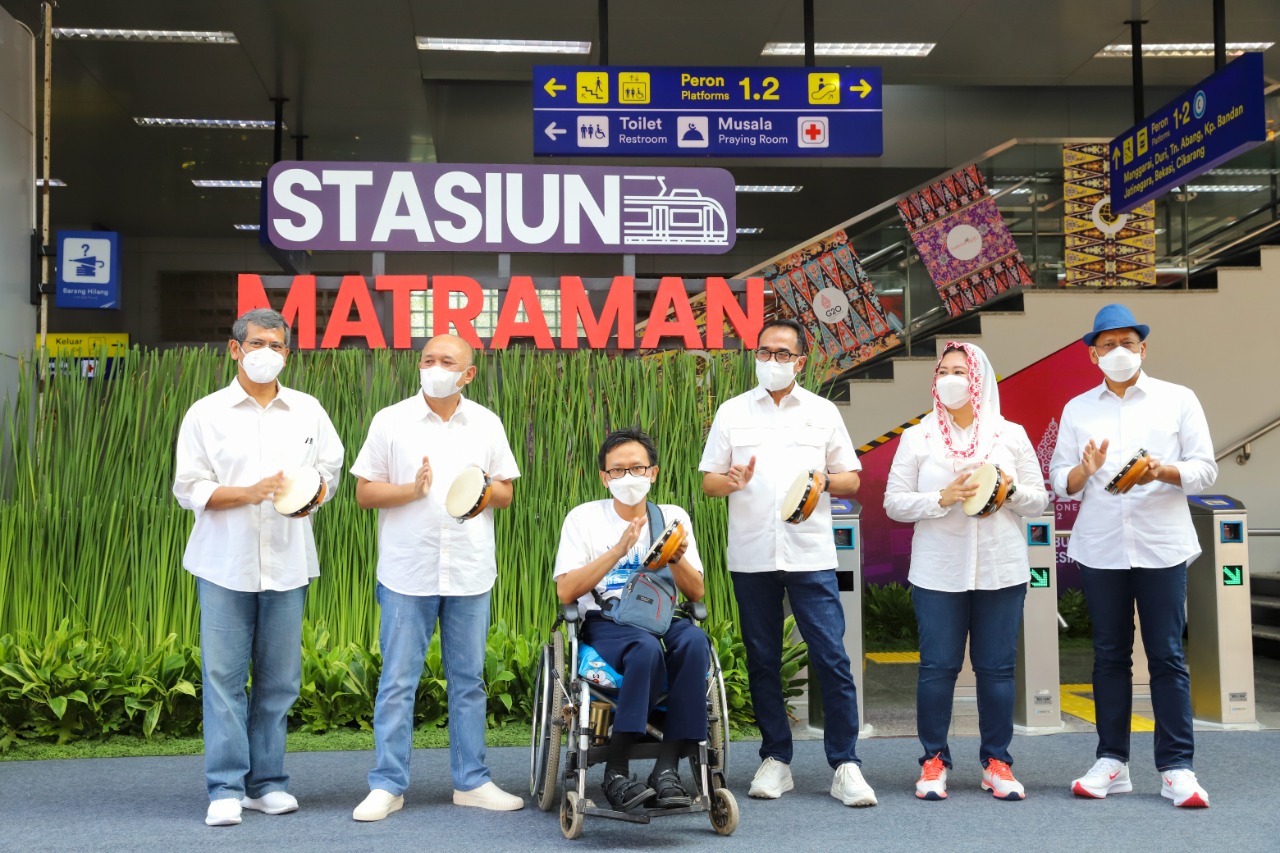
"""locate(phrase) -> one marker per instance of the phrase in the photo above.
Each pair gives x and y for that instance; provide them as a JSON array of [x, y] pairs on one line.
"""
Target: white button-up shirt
[[227, 439], [422, 550], [592, 528], [804, 432], [1150, 527], [950, 551]]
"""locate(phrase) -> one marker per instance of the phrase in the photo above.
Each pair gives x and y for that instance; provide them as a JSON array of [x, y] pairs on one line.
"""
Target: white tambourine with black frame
[[300, 494], [1129, 474], [802, 498], [469, 494], [995, 486], [667, 545]]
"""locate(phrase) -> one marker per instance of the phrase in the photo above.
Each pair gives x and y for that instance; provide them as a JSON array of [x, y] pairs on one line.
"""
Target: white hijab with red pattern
[[984, 394]]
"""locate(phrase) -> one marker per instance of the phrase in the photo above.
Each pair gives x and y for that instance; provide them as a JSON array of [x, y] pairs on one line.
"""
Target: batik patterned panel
[[1102, 251]]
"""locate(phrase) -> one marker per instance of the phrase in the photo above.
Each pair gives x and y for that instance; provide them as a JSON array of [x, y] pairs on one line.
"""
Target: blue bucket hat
[[1115, 316]]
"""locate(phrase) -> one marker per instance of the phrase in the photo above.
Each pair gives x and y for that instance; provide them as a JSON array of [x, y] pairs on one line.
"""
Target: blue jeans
[[244, 737], [408, 622], [815, 601], [1161, 597], [990, 619]]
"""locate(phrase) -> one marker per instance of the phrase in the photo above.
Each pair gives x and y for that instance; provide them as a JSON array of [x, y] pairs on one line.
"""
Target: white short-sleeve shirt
[[422, 550], [804, 432], [227, 439], [591, 529]]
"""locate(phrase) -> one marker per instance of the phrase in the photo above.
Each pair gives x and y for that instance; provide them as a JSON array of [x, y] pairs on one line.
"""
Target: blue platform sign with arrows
[[628, 111], [1213, 121]]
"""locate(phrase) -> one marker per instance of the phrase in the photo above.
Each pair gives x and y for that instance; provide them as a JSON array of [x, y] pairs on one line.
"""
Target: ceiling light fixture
[[228, 185], [750, 230], [1227, 188], [828, 48], [248, 226], [173, 36], [53, 182], [1180, 49], [214, 123], [503, 45], [768, 188]]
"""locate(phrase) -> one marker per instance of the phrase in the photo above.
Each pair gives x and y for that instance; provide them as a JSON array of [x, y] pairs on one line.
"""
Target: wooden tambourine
[[300, 493], [802, 498], [1130, 474], [469, 494], [664, 550], [994, 488]]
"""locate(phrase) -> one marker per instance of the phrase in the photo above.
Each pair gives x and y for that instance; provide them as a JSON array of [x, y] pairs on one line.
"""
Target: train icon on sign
[[656, 214]]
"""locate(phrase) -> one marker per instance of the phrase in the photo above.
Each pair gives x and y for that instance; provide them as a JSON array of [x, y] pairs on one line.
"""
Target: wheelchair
[[570, 706]]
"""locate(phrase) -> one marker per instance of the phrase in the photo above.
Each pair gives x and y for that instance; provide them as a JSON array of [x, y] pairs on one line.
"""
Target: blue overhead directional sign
[[622, 111], [1212, 121]]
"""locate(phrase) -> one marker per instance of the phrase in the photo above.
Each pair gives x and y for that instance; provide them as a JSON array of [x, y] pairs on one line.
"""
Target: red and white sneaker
[[932, 784], [1107, 776], [998, 779], [1181, 787]]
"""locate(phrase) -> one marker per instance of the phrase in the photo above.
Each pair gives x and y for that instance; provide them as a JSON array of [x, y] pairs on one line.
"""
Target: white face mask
[[629, 489], [438, 383], [952, 390], [773, 376], [262, 365], [1120, 364]]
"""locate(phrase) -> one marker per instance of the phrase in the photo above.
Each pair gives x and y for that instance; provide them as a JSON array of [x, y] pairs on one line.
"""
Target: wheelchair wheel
[[571, 819], [718, 731], [548, 724], [724, 811]]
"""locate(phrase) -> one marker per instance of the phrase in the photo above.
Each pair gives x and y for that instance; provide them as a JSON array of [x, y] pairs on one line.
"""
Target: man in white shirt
[[431, 568], [602, 544], [759, 442], [1135, 547], [252, 563]]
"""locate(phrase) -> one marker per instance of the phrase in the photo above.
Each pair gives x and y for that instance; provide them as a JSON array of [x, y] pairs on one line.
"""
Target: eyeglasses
[[634, 470], [1131, 346], [254, 344], [782, 356], [447, 363]]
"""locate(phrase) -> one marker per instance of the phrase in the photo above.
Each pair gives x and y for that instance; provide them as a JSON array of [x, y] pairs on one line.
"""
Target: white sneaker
[[932, 784], [224, 812], [772, 780], [377, 805], [1107, 776], [850, 788], [272, 802], [997, 778], [488, 796], [1181, 787]]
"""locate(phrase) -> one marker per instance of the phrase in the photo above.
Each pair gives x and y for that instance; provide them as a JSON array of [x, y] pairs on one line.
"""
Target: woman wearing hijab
[[968, 574]]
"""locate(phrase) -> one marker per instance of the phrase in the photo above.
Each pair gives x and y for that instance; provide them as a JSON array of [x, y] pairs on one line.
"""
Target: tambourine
[[1130, 474], [300, 493], [994, 488], [469, 494], [664, 550], [802, 498]]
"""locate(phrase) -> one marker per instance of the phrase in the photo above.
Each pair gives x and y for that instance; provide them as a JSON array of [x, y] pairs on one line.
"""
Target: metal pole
[[809, 55], [47, 8], [602, 21], [1219, 34], [1135, 31], [297, 146], [278, 152]]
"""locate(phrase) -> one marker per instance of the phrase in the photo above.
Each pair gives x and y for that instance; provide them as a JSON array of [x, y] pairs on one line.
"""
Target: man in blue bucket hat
[[1131, 450]]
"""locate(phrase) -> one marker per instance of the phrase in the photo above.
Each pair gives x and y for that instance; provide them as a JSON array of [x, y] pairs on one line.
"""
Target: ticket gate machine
[[1219, 620], [848, 535], [1038, 706]]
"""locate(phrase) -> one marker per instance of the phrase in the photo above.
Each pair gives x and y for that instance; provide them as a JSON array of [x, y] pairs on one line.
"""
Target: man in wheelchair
[[602, 544]]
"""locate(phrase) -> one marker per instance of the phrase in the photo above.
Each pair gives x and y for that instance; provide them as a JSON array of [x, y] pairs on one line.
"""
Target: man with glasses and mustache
[[1134, 547], [252, 563], [759, 442]]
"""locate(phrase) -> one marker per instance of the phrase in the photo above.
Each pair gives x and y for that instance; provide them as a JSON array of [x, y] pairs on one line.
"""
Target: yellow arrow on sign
[[863, 88], [552, 88]]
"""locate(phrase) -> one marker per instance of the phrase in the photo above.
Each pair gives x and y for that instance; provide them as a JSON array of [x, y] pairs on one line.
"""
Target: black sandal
[[625, 793], [671, 792]]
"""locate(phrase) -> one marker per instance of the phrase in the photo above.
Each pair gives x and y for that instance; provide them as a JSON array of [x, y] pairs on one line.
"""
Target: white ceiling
[[360, 90]]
